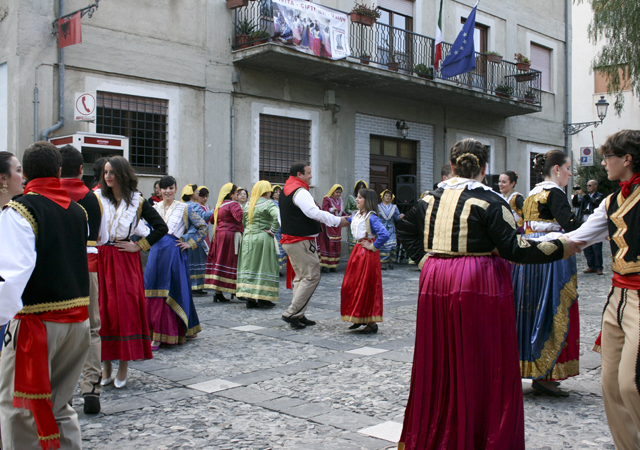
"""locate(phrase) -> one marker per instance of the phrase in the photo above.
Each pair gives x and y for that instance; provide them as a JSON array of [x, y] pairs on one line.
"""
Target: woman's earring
[[4, 188]]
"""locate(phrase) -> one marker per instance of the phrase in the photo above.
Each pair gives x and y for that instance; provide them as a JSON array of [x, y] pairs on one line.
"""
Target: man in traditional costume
[[44, 288], [71, 181], [301, 218]]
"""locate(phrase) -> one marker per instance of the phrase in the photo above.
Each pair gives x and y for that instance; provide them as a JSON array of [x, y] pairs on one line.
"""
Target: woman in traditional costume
[[465, 390], [203, 198], [507, 183], [546, 296], [258, 275], [352, 208], [389, 215], [124, 328], [171, 312], [330, 239], [361, 293], [282, 256], [222, 262], [198, 254]]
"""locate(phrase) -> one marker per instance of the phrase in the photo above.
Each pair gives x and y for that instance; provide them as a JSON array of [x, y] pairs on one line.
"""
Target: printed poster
[[311, 28]]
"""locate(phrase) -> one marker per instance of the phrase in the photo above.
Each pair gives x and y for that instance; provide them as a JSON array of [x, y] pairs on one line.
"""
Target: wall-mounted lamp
[[601, 108], [402, 126]]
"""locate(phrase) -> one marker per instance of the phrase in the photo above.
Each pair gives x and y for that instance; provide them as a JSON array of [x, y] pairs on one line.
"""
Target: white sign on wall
[[85, 107], [586, 156]]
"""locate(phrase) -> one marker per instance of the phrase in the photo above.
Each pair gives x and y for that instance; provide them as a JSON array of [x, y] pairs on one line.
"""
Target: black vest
[[60, 279], [93, 207], [294, 222], [625, 220]]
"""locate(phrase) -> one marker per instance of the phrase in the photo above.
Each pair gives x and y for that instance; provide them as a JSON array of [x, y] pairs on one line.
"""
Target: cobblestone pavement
[[250, 382]]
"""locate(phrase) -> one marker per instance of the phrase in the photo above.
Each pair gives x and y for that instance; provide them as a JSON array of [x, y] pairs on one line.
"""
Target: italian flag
[[438, 56]]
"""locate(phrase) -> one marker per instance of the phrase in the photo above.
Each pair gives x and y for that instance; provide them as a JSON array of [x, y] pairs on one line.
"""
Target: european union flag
[[462, 56]]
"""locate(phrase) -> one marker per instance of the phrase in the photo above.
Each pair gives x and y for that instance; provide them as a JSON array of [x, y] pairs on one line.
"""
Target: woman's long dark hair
[[370, 200], [125, 177]]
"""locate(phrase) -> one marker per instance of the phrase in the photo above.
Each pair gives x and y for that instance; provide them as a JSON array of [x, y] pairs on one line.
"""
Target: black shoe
[[355, 326], [369, 329], [390, 266], [265, 304], [333, 269], [383, 267], [309, 323], [198, 292], [219, 297], [544, 390], [91, 404], [295, 323], [325, 270], [252, 304]]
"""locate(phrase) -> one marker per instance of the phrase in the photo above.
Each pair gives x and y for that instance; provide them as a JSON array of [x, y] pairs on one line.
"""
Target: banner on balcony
[[311, 28]]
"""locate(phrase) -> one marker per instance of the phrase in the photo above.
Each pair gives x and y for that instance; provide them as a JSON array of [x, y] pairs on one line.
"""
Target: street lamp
[[403, 127], [601, 108]]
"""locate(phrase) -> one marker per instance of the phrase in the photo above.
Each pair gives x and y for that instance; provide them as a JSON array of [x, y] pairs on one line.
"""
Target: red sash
[[32, 385], [49, 187]]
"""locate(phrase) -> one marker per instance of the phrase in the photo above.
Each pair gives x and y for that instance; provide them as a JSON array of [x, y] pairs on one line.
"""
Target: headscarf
[[224, 191], [187, 190], [203, 187], [274, 186], [384, 192], [366, 186], [333, 189], [259, 189]]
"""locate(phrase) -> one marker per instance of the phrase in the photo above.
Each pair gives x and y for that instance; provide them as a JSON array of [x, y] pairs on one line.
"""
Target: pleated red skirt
[[124, 329], [222, 263], [465, 390], [361, 293]]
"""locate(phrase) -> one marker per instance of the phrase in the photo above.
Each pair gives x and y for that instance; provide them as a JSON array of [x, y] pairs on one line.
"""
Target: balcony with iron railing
[[388, 60]]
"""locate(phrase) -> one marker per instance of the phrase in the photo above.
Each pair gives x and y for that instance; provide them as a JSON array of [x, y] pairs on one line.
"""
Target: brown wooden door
[[380, 173]]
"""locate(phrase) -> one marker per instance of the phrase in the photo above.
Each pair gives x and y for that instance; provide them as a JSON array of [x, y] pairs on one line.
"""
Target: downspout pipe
[[60, 122], [567, 70]]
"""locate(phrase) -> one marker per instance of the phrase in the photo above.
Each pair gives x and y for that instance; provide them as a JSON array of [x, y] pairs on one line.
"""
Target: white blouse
[[121, 222], [174, 216], [359, 226]]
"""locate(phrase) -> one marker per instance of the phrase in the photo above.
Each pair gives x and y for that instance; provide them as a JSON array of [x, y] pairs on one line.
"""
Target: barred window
[[283, 141], [144, 121]]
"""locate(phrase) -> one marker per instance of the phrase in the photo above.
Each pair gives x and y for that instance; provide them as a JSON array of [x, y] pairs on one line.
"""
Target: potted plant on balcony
[[364, 15], [504, 90], [259, 37], [365, 58], [523, 63], [423, 71], [392, 64], [233, 4], [530, 96], [244, 33], [494, 57]]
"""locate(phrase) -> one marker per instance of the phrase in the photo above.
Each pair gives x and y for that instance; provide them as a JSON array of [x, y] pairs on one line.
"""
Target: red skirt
[[465, 390], [124, 329], [329, 247], [361, 293], [222, 263]]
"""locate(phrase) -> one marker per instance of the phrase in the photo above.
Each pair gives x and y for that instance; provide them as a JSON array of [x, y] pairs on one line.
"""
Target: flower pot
[[392, 66], [523, 66], [529, 99], [243, 40], [496, 59], [259, 41], [525, 77], [232, 4], [364, 59], [361, 18], [428, 76], [502, 94]]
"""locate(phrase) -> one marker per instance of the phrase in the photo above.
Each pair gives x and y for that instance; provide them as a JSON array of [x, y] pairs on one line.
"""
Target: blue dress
[[198, 253], [389, 215]]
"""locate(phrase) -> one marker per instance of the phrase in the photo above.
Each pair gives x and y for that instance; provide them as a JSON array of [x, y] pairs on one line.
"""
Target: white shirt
[[122, 222], [18, 241], [173, 217], [303, 200], [594, 230], [359, 225]]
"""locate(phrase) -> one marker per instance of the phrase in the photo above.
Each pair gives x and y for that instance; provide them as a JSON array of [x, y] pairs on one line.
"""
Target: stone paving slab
[[170, 395], [308, 410], [247, 394], [346, 420], [214, 386]]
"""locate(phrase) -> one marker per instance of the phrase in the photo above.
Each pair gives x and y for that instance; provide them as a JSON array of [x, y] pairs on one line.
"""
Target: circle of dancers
[[497, 299]]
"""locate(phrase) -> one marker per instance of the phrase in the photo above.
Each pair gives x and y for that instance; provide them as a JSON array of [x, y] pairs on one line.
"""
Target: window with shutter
[[541, 60]]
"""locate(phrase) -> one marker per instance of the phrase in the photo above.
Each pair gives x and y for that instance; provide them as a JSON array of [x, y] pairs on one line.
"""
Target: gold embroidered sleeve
[[144, 244], [193, 244], [508, 217], [24, 212]]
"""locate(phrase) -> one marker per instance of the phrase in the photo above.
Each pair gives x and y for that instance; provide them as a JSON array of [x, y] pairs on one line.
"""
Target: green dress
[[258, 273], [350, 209]]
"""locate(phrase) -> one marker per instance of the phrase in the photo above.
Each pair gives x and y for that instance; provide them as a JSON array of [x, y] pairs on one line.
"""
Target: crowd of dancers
[[75, 295]]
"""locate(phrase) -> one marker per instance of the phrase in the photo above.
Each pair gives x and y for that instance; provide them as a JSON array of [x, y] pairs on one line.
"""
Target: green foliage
[[494, 53], [596, 172], [616, 23], [423, 69], [245, 27], [522, 59], [260, 34], [363, 9], [505, 89]]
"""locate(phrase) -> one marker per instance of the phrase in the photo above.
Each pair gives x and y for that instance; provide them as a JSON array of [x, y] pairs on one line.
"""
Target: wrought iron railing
[[401, 51]]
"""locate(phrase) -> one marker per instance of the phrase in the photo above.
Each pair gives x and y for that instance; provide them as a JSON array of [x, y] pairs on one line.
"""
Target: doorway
[[390, 158]]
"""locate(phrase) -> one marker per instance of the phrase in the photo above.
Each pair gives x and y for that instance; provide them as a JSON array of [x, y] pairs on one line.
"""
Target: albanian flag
[[70, 30]]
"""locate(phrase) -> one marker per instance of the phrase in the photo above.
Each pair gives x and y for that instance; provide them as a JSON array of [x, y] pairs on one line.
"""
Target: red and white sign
[[85, 107]]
